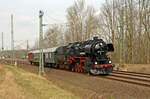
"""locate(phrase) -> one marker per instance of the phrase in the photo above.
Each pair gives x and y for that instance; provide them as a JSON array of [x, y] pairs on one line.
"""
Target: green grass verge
[[2, 75], [36, 87]]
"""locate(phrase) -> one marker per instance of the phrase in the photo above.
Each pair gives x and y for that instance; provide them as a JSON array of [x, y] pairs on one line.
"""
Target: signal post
[[41, 62]]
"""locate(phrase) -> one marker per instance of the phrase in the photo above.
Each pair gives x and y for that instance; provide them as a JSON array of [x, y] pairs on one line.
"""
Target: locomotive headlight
[[97, 46], [110, 62], [101, 44], [96, 63]]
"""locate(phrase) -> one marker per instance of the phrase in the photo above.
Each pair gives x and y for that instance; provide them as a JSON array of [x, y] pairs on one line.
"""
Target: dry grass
[[32, 86], [143, 68], [9, 88]]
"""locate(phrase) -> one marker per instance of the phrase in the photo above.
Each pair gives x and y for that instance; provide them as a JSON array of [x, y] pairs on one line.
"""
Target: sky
[[26, 18]]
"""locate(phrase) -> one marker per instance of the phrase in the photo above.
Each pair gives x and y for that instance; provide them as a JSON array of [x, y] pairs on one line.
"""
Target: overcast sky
[[26, 17]]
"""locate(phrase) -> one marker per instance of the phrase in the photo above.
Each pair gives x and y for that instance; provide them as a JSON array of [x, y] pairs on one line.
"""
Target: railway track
[[141, 79], [132, 73]]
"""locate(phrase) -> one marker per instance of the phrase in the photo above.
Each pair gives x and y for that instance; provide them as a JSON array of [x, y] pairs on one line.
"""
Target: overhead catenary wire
[[52, 19]]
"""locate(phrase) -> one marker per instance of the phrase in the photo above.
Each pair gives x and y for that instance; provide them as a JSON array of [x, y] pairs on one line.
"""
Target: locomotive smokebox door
[[110, 47]]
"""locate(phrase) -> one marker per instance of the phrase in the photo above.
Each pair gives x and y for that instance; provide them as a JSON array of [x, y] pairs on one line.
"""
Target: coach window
[[50, 55], [46, 55]]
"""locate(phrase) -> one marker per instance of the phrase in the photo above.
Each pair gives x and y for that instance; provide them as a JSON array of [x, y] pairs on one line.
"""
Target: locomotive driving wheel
[[79, 67]]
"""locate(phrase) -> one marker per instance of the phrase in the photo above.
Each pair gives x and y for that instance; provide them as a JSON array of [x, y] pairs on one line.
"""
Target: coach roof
[[44, 50], [50, 49]]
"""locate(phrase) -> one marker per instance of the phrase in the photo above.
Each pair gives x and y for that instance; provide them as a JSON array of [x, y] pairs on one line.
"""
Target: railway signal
[[41, 63]]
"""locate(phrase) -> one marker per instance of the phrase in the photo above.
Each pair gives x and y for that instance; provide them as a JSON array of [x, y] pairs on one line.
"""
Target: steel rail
[[131, 72], [127, 81]]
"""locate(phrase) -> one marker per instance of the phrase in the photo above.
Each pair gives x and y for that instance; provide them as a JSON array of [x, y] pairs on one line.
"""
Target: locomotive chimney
[[95, 38]]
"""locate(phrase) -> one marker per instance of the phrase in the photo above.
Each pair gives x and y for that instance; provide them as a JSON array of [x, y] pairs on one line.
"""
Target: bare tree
[[136, 28], [53, 37], [82, 21]]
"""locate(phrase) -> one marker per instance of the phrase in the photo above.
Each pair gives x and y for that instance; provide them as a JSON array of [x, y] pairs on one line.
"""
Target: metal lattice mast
[[41, 63], [12, 38]]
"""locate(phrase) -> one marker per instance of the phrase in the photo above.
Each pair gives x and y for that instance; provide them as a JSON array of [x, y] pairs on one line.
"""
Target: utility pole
[[27, 45], [27, 48], [12, 39], [41, 65], [2, 42]]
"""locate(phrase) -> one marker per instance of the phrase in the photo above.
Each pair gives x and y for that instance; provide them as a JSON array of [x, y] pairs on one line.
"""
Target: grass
[[139, 68], [36, 87], [2, 75]]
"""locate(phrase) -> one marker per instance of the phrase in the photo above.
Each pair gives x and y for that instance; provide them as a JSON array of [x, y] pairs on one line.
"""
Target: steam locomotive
[[87, 56]]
